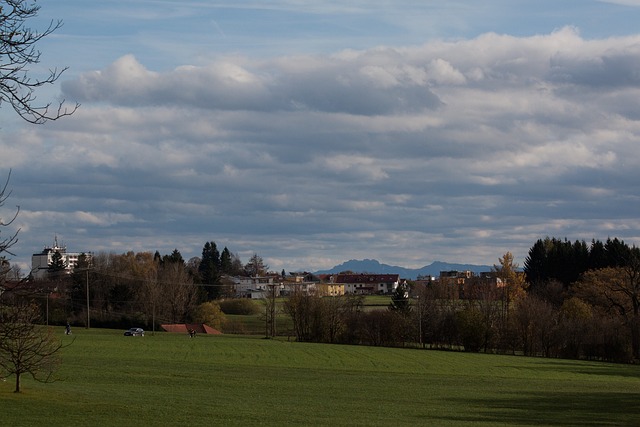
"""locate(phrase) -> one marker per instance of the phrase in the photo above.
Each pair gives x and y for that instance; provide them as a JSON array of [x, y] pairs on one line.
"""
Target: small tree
[[209, 270], [512, 287], [24, 347], [301, 307], [400, 300], [7, 242], [471, 328], [58, 265], [210, 314], [256, 266]]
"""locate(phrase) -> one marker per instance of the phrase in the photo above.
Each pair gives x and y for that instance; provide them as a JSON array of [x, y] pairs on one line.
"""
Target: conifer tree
[[209, 270], [400, 299]]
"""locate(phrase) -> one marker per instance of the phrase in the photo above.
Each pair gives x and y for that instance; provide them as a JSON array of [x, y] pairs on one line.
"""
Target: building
[[303, 287], [330, 289], [40, 262], [485, 286], [251, 287], [367, 283]]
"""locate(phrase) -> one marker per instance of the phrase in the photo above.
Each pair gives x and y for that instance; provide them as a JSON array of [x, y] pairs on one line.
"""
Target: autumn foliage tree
[[511, 287], [210, 313], [616, 290]]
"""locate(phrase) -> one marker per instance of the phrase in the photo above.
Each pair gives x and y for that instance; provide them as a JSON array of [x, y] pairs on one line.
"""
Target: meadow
[[165, 379]]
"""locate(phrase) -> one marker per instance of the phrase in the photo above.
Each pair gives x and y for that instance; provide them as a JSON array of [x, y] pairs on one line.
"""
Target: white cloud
[[452, 150], [635, 3]]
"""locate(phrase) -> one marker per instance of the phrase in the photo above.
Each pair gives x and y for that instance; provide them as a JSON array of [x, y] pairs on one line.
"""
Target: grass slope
[[171, 380]]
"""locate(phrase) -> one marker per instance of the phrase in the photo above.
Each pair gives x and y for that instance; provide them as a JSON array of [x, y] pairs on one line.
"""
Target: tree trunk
[[635, 337], [17, 390], [635, 324]]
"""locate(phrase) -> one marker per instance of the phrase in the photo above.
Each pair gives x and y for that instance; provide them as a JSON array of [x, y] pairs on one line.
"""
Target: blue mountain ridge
[[374, 267]]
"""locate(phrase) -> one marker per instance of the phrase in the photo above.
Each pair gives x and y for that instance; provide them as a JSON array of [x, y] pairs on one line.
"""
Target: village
[[461, 283]]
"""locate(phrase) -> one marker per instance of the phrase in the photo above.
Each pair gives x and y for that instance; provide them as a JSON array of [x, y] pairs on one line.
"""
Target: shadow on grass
[[585, 368], [556, 409]]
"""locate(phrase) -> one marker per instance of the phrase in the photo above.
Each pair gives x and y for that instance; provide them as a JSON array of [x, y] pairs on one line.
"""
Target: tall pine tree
[[58, 266], [209, 270], [226, 264]]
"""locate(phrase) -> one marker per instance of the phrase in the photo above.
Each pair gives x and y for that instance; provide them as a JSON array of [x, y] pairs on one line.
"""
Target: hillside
[[373, 266]]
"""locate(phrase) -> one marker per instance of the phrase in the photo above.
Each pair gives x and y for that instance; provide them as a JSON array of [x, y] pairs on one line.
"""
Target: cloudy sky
[[312, 133]]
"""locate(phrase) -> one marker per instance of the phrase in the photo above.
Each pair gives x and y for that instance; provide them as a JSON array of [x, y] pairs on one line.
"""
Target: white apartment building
[[40, 262]]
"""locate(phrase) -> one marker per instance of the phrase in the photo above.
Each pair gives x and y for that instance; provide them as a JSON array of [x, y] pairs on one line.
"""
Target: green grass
[[254, 324], [379, 301], [171, 380]]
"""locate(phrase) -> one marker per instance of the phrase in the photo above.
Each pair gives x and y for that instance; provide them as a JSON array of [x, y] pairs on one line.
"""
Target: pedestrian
[[68, 329]]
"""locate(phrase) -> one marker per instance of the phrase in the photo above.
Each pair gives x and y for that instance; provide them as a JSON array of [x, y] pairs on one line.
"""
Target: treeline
[[138, 289], [564, 261], [437, 321], [570, 300]]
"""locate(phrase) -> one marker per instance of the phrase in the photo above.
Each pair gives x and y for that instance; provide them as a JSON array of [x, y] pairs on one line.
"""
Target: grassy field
[[255, 324], [171, 380]]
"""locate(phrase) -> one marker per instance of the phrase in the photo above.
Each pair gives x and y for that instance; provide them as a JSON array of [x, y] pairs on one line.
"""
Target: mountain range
[[374, 267]]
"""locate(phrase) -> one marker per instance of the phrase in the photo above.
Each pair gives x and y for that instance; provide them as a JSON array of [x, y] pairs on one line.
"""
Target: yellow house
[[330, 289]]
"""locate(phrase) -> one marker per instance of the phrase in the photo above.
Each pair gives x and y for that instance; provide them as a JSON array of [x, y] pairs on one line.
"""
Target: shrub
[[242, 306], [210, 314]]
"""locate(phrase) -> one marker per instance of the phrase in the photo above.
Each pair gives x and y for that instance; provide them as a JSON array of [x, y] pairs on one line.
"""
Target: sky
[[312, 133]]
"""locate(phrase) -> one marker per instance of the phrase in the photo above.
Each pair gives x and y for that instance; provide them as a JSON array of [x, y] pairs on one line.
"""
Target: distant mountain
[[373, 266]]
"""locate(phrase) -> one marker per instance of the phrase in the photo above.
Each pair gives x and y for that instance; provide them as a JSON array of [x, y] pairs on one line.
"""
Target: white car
[[134, 332]]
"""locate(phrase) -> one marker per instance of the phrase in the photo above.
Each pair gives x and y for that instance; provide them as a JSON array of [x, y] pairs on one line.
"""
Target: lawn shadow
[[592, 368], [556, 409]]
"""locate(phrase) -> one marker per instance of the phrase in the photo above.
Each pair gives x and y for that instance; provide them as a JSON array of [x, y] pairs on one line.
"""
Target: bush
[[243, 306], [210, 314], [471, 329]]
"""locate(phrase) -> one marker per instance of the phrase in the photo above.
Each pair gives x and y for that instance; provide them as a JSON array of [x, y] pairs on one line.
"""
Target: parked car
[[134, 332]]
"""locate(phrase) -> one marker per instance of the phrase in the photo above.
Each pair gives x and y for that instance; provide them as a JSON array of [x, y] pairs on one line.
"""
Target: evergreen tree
[[597, 255], [226, 264], [618, 253], [209, 270], [57, 266], [174, 258], [560, 260], [535, 265], [400, 299]]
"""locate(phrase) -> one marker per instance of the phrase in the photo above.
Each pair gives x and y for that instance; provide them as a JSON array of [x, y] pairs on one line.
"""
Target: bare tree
[[24, 347], [7, 242], [178, 292], [256, 266], [535, 322], [300, 306], [18, 52]]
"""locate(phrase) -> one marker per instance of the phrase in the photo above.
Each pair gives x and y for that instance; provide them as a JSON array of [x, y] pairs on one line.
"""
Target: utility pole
[[153, 318], [419, 320], [270, 311], [88, 315]]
